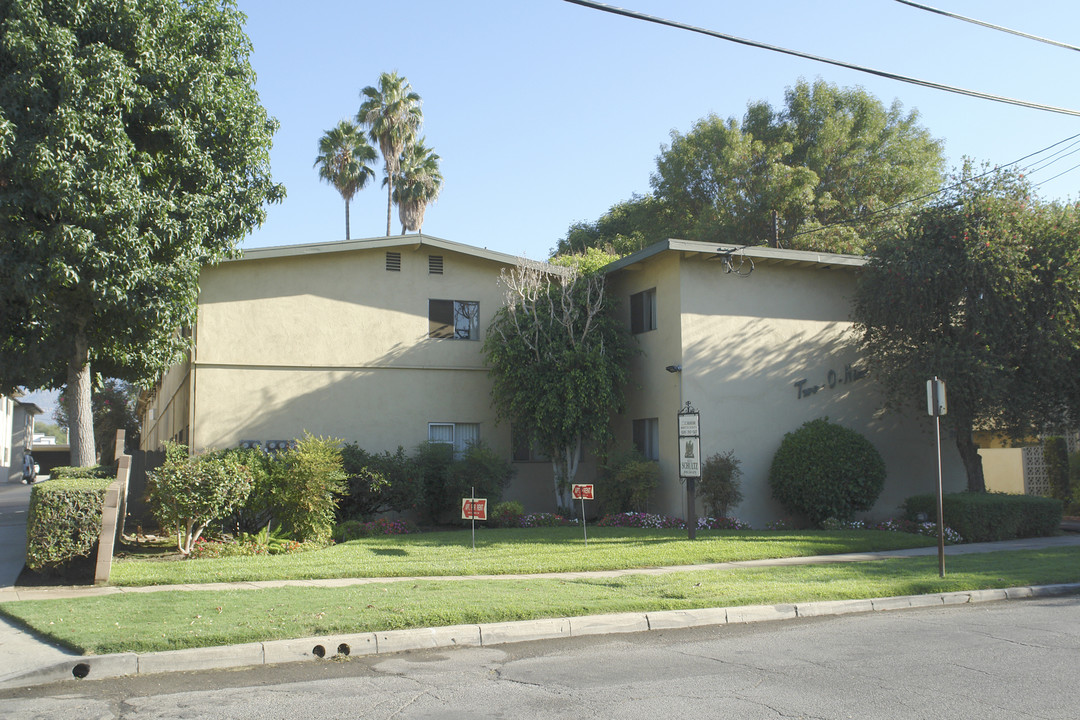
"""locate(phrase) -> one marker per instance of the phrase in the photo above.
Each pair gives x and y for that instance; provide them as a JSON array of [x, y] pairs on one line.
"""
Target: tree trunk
[[564, 464], [389, 196], [346, 219], [77, 397], [969, 453]]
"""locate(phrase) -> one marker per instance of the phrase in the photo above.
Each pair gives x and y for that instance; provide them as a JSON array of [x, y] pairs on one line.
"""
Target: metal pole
[[940, 504], [472, 495], [691, 520], [583, 530]]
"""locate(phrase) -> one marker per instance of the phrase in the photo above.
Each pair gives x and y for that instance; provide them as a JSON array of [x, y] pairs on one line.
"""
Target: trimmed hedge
[[64, 521], [986, 517]]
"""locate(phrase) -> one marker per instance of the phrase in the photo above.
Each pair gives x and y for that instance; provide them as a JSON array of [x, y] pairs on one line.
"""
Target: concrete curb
[[273, 652]]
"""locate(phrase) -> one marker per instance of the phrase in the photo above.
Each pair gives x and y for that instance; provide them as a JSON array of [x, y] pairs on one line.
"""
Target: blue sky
[[546, 113]]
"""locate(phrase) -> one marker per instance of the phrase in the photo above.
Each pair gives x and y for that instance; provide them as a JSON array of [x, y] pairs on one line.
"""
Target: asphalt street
[[990, 661]]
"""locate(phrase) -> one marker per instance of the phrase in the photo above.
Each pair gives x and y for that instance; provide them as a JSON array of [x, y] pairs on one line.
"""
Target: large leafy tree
[[809, 175], [391, 112], [981, 289], [558, 362], [418, 185], [133, 150], [343, 160]]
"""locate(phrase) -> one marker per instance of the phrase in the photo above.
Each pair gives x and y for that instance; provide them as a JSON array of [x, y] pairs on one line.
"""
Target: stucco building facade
[[379, 342]]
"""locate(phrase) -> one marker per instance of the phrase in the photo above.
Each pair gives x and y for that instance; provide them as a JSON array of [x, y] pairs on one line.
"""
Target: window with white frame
[[454, 319], [460, 435], [647, 437]]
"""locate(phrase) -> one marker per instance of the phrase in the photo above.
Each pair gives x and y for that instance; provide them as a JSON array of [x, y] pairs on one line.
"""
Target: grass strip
[[172, 619], [512, 552]]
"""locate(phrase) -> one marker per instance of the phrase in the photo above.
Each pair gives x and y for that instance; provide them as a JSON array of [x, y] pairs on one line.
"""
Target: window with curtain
[[647, 437], [460, 435]]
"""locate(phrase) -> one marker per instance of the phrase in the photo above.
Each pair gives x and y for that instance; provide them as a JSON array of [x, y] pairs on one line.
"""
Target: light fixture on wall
[[674, 368]]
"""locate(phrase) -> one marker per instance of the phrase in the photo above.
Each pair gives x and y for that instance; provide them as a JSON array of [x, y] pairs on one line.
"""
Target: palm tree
[[342, 161], [391, 112], [418, 184]]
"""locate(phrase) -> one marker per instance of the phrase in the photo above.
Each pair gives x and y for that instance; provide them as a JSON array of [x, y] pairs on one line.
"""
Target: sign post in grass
[[583, 493], [473, 508]]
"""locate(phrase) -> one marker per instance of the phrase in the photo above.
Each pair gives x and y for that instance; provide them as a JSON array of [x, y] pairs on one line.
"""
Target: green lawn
[[513, 552], [176, 619]]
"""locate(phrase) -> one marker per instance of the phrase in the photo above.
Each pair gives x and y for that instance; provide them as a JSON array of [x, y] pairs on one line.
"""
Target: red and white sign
[[474, 508], [582, 492]]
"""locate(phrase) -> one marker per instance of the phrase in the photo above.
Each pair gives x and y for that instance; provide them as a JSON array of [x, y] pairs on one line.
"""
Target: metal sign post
[[690, 461], [473, 508], [583, 492], [936, 406]]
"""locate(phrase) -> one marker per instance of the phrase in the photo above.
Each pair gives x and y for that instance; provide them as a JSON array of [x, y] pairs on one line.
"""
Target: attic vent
[[434, 265], [393, 261]]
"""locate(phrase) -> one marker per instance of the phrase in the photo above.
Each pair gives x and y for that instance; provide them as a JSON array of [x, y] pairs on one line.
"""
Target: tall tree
[[418, 185], [113, 407], [982, 289], [558, 362], [133, 150], [810, 175], [391, 112], [344, 154]]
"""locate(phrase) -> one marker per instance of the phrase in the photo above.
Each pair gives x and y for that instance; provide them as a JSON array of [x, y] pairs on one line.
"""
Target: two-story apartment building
[[378, 341]]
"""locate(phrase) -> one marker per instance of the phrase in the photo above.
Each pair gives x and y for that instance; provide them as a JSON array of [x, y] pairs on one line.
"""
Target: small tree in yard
[[719, 485], [307, 487], [188, 493], [557, 358]]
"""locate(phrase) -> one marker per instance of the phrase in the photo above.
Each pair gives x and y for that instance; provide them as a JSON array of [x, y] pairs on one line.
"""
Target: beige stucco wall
[[1003, 469], [333, 344], [743, 343], [167, 416]]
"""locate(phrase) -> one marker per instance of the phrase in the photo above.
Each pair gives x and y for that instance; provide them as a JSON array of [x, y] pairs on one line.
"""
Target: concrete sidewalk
[[26, 660]]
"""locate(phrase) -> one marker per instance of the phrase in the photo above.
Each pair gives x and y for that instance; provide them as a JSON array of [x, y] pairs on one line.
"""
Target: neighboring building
[[378, 342], [16, 435]]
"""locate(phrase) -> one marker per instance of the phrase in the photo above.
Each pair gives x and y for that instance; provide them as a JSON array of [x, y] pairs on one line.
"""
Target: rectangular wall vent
[[435, 264], [393, 261]]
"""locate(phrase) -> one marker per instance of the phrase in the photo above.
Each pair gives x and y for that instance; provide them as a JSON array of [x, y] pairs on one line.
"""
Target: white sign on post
[[689, 457], [689, 425], [935, 398]]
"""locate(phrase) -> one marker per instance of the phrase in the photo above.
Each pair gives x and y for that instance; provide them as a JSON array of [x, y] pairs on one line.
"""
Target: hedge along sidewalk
[[71, 592]]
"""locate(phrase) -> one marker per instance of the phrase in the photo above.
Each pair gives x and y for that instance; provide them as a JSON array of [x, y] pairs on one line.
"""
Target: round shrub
[[824, 470]]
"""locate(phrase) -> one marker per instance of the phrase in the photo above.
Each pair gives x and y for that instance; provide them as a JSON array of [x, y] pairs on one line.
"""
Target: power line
[[860, 68], [989, 25], [1055, 177]]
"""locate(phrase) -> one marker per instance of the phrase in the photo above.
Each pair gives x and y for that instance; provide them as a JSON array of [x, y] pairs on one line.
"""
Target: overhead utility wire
[[946, 13], [850, 66]]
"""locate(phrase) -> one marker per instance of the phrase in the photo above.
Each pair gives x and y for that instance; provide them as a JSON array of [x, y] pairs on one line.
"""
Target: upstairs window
[[643, 311], [454, 319], [647, 437]]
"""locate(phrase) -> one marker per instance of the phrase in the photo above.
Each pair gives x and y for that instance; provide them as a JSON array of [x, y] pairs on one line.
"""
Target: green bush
[[446, 479], [257, 511], [824, 470], [70, 471], [629, 481], [64, 520], [1056, 457], [719, 484], [379, 483], [506, 514], [482, 470], [187, 493], [307, 486], [986, 517]]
